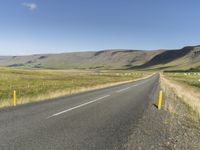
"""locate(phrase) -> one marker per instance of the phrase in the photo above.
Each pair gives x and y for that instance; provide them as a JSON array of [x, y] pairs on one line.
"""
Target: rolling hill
[[182, 59], [187, 58], [105, 59]]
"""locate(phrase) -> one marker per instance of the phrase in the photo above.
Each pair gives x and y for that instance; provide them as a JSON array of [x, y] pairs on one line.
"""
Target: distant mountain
[[105, 59], [185, 58]]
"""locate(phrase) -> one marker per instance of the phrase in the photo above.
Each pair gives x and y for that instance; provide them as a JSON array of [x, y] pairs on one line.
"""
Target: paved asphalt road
[[96, 120]]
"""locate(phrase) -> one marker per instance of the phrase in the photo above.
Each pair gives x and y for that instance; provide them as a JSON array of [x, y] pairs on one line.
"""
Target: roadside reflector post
[[160, 99], [14, 98]]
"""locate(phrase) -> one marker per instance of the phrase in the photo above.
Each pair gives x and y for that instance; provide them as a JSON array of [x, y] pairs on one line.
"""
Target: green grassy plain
[[186, 86], [189, 78], [36, 85]]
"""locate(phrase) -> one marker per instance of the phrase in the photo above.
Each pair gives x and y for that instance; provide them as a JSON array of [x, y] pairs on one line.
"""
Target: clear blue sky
[[53, 26]]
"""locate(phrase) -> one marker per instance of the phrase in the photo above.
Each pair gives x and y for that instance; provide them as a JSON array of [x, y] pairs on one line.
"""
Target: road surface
[[96, 120]]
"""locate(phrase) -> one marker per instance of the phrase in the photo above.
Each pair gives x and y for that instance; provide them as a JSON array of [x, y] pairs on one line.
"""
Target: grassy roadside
[[37, 85], [175, 127], [189, 78], [187, 88], [182, 119]]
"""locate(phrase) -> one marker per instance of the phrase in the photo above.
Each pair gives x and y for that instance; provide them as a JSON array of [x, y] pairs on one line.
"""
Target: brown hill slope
[[184, 59], [179, 59], [107, 59]]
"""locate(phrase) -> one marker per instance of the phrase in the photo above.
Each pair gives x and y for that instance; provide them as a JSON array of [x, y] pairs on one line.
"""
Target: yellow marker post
[[14, 98], [160, 99]]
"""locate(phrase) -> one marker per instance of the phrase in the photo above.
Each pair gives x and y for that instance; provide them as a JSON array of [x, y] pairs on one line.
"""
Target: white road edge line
[[84, 104]]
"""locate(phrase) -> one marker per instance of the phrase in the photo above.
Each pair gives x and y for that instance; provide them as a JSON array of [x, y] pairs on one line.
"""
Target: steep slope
[[168, 56], [183, 59]]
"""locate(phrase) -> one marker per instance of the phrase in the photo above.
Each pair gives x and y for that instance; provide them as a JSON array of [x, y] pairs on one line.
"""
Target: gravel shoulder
[[174, 127]]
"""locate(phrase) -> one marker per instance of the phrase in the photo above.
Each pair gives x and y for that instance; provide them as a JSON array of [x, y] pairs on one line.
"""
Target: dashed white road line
[[87, 103], [124, 89], [84, 104]]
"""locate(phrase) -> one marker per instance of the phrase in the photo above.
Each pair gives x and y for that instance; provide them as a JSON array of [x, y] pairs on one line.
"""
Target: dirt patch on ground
[[174, 127]]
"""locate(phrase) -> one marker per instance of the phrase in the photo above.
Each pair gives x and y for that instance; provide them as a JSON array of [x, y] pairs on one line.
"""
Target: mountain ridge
[[185, 58]]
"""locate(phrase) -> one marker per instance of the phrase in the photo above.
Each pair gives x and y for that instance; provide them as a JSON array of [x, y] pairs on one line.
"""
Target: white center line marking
[[123, 89], [130, 87], [70, 109]]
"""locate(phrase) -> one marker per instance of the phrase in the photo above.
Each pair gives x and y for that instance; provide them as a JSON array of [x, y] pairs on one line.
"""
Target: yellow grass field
[[36, 85], [186, 86]]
